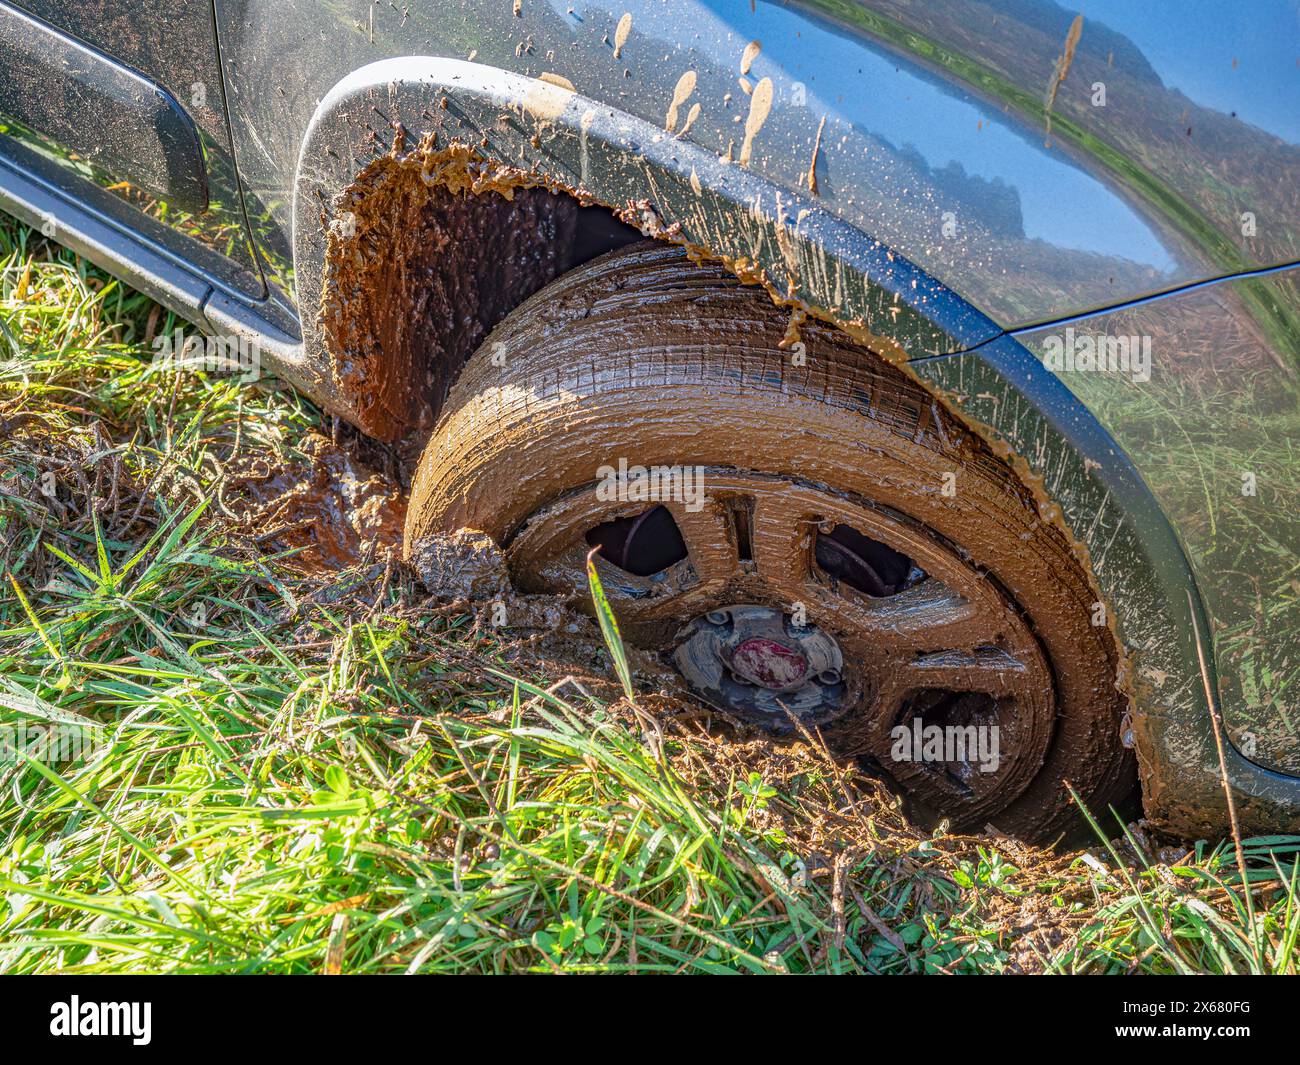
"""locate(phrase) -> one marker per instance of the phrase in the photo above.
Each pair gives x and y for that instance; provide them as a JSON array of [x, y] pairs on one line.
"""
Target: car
[[919, 379]]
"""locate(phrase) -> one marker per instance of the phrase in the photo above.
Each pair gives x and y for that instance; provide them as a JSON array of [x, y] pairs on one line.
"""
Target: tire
[[776, 598]]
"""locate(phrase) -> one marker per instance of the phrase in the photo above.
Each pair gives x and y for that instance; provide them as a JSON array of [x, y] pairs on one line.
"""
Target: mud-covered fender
[[819, 265]]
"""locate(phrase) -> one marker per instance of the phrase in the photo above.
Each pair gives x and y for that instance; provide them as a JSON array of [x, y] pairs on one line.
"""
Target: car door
[[118, 105]]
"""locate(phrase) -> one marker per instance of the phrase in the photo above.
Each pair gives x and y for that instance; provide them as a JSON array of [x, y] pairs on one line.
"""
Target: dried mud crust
[[644, 355]]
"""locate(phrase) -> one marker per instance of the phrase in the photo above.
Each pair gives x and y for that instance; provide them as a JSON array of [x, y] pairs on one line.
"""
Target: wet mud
[[326, 511], [465, 564], [424, 260]]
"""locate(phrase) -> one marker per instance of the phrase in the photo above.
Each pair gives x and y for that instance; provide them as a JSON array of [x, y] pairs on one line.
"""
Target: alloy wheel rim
[[944, 644]]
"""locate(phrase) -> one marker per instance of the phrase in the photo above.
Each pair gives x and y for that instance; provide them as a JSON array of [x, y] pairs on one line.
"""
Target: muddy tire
[[861, 564]]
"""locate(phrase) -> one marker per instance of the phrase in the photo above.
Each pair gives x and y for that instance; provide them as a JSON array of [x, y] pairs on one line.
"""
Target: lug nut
[[717, 617], [829, 676]]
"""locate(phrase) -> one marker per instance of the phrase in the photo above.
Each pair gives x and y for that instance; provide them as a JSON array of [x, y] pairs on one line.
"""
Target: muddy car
[[923, 376]]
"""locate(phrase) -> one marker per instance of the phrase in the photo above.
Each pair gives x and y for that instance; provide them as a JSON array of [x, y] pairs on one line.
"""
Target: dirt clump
[[466, 564]]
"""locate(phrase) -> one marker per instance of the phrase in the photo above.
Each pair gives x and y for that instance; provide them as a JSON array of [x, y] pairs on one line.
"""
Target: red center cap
[[771, 664]]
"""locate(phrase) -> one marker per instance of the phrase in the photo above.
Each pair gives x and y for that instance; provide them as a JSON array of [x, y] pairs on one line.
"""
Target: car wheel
[[814, 543]]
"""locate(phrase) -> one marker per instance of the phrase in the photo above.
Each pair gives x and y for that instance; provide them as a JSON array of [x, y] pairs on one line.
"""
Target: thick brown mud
[[425, 260], [326, 511]]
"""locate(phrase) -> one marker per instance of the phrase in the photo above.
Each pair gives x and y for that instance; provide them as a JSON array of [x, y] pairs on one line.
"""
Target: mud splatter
[[685, 87], [812, 165], [791, 336], [621, 32], [557, 80], [750, 54], [691, 116], [331, 509], [1062, 69], [760, 105]]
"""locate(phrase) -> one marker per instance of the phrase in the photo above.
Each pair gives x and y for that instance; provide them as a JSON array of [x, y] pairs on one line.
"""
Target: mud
[[1060, 71], [466, 564], [460, 170], [424, 260], [329, 510], [760, 106], [621, 34]]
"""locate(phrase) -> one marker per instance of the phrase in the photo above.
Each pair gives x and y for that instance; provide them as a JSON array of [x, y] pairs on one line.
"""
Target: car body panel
[[182, 196], [958, 176], [100, 110], [1192, 110], [1214, 422]]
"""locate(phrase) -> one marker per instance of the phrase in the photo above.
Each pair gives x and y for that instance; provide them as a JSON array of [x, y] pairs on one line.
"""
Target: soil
[[329, 510]]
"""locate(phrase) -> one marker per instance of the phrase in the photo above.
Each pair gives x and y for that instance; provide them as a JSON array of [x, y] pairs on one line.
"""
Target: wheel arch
[[523, 132], [539, 133]]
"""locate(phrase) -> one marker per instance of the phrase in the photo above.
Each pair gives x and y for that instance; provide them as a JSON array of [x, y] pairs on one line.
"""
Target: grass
[[303, 772]]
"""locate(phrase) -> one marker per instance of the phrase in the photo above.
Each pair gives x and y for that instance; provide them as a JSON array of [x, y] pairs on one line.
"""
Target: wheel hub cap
[[769, 664], [756, 662]]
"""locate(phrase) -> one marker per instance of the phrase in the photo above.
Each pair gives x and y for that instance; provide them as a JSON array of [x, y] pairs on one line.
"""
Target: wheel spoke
[[927, 617], [710, 539], [782, 529], [991, 670]]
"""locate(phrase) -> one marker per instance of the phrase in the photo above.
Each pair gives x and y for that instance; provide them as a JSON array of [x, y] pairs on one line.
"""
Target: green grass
[[334, 773]]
